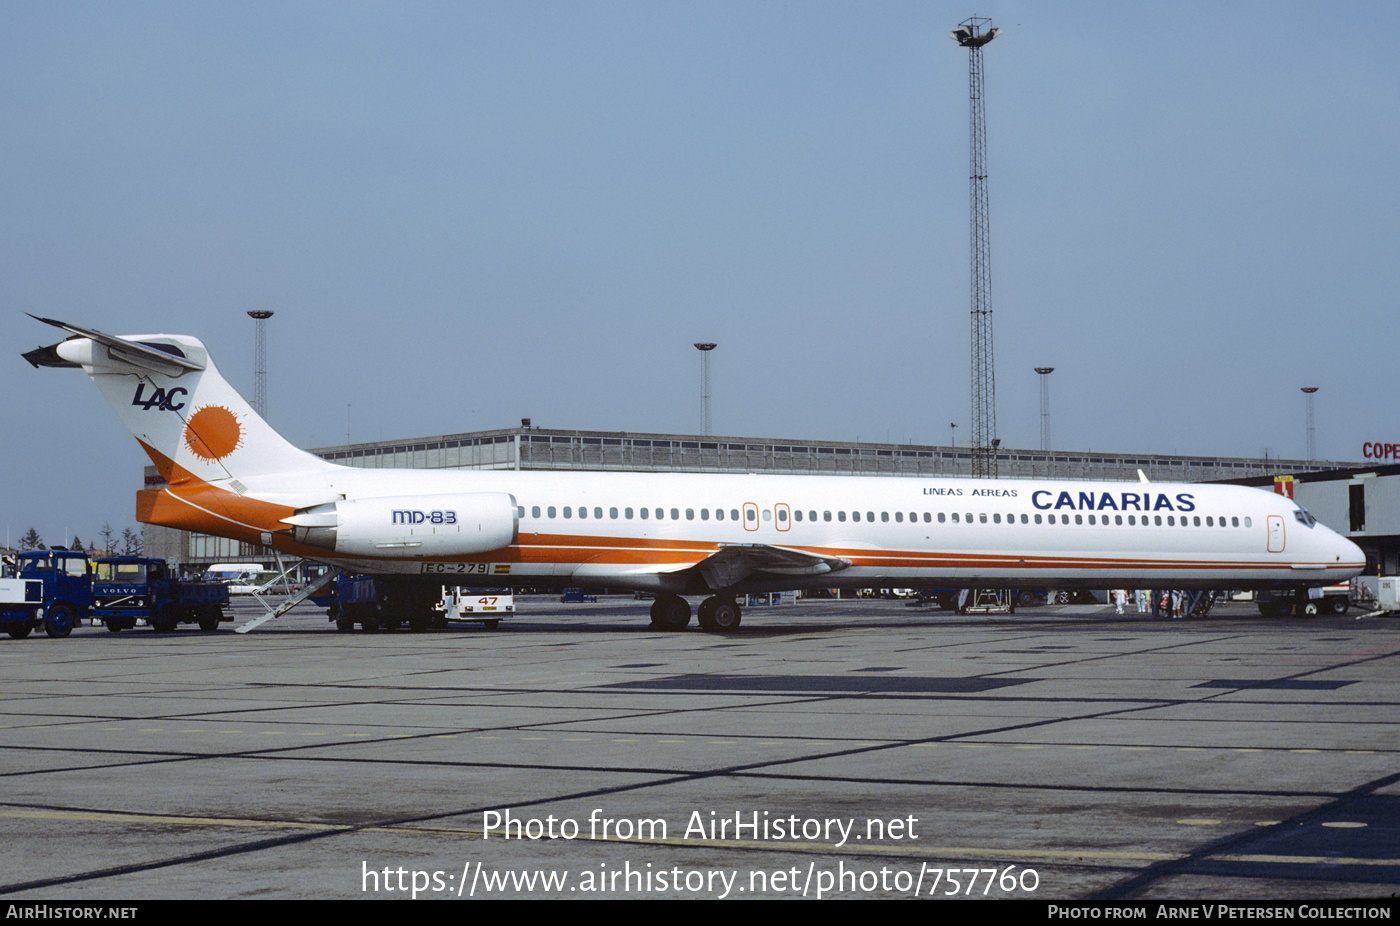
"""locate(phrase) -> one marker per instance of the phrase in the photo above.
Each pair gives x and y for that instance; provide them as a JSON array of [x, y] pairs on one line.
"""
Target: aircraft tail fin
[[165, 388]]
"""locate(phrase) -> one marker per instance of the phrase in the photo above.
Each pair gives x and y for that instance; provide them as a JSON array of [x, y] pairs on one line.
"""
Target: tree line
[[130, 543]]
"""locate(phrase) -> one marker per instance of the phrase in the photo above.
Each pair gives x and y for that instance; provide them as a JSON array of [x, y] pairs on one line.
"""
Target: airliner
[[229, 474]]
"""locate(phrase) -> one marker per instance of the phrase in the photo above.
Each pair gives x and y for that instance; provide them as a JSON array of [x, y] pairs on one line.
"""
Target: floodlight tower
[[260, 317], [1045, 405], [1312, 442], [973, 34], [704, 347]]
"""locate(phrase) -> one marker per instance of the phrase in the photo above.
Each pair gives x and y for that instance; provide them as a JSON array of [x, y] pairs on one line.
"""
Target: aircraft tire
[[721, 616], [670, 612]]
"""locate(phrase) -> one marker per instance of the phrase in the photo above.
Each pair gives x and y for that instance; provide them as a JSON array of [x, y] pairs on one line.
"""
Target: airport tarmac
[[829, 748]]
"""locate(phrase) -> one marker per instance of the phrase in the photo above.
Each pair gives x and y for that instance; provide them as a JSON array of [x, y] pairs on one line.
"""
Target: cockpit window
[[1303, 517]]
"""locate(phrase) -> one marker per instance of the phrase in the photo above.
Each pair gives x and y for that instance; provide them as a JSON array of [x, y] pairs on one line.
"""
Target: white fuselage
[[641, 530]]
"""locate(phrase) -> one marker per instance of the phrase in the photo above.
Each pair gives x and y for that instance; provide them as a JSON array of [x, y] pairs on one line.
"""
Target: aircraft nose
[[1348, 553]]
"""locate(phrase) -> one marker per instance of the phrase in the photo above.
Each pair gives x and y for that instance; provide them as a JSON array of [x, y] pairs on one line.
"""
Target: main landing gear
[[717, 614]]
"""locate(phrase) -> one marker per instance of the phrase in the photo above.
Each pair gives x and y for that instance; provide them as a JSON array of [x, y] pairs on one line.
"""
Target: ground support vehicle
[[386, 602], [128, 590], [577, 596], [352, 600], [480, 606], [1332, 599], [49, 589]]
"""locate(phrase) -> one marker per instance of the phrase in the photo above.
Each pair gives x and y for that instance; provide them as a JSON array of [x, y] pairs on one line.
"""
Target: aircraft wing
[[733, 563]]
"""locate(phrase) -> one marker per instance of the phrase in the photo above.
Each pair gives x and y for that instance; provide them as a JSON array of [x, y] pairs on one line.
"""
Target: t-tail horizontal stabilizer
[[157, 358]]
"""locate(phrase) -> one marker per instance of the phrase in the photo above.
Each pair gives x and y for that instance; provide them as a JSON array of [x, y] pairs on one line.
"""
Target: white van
[[241, 578]]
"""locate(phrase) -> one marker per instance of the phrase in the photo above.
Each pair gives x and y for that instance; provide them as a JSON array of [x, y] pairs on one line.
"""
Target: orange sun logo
[[213, 432]]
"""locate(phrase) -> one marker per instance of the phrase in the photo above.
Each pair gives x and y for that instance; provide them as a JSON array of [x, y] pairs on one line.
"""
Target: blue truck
[[126, 589], [352, 599], [51, 589]]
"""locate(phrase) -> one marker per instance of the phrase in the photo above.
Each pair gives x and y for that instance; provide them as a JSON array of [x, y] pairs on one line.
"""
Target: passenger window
[[598, 512], [855, 515], [582, 511], [826, 515], [675, 514], [690, 514], [704, 514], [568, 512], [841, 516], [612, 513], [551, 511]]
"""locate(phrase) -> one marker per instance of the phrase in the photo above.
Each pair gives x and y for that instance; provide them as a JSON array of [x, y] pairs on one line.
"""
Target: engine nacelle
[[411, 526]]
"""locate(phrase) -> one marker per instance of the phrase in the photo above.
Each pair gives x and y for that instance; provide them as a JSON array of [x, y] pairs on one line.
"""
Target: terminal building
[[527, 448]]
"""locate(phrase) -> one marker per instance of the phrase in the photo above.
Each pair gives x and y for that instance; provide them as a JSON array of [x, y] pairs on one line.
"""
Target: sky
[[466, 213]]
